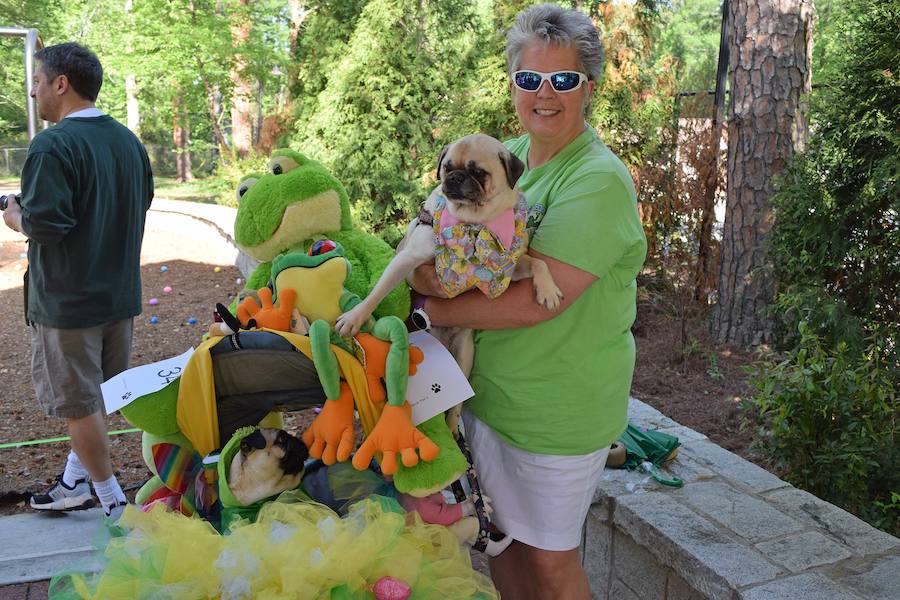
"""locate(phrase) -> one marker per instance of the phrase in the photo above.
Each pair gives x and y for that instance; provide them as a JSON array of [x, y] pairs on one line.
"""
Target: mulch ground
[[696, 384]]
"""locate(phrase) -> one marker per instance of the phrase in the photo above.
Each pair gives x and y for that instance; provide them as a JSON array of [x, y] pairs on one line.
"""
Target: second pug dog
[[473, 226], [270, 462]]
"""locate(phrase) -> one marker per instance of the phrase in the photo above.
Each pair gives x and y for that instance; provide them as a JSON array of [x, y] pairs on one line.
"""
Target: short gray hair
[[551, 24]]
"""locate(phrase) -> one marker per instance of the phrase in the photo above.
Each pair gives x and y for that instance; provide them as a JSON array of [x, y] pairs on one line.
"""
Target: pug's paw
[[547, 294], [488, 509]]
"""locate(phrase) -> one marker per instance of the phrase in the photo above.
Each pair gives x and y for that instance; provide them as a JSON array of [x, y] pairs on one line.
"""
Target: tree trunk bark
[[181, 136], [241, 109], [132, 110], [212, 111], [771, 42]]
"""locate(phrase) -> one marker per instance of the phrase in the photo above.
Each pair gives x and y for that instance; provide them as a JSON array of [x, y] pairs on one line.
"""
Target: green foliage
[[831, 418], [44, 15], [835, 246], [225, 180], [690, 34], [376, 123], [831, 404]]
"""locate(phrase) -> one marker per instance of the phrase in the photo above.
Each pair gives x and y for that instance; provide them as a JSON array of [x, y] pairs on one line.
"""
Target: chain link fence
[[11, 161], [162, 159]]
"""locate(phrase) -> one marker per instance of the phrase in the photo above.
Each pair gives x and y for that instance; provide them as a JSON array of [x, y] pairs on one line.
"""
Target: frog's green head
[[297, 199]]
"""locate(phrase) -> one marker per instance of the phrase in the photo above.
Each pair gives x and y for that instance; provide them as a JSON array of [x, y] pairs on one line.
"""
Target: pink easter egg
[[168, 289], [388, 588]]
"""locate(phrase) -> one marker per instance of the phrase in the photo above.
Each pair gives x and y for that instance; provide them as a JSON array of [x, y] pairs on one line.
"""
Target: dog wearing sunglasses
[[269, 462], [473, 227]]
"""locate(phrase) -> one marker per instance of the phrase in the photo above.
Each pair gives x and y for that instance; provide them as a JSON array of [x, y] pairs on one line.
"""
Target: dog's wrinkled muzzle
[[459, 186]]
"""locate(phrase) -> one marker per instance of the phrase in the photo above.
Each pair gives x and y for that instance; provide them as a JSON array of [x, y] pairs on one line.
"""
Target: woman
[[551, 388]]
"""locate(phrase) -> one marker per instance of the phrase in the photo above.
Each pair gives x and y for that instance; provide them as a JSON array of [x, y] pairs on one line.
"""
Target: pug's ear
[[254, 441], [441, 160], [514, 167]]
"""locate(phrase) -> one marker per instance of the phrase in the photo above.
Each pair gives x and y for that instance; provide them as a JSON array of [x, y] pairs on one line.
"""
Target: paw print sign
[[438, 384]]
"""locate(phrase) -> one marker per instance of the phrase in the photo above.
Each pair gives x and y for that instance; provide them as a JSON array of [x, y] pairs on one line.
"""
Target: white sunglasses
[[561, 81]]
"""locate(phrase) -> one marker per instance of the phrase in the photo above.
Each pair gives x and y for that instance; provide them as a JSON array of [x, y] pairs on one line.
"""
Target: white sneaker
[[61, 497], [115, 511]]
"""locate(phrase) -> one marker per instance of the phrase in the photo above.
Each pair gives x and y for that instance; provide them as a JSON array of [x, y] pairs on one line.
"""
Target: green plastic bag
[[647, 450]]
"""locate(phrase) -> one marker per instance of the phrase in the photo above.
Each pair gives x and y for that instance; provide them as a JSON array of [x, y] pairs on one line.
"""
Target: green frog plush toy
[[297, 203]]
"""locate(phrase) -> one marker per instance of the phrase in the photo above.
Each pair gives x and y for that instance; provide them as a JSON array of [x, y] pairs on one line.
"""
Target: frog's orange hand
[[330, 436], [268, 315], [395, 433]]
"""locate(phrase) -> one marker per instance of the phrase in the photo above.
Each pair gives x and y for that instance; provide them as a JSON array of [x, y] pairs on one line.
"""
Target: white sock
[[109, 492], [74, 470]]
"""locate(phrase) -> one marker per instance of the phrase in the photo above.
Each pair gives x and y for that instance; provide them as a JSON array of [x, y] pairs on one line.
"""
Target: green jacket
[[86, 188]]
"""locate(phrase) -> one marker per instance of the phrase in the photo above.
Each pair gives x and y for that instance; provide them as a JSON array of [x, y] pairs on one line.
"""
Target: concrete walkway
[[37, 545]]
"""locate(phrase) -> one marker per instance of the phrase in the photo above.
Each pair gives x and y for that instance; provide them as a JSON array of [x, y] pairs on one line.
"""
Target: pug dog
[[478, 178], [269, 462]]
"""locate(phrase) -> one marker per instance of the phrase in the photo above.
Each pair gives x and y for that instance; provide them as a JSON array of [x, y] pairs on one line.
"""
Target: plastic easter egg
[[163, 269], [167, 289], [389, 588], [217, 270], [153, 301], [154, 320], [192, 321]]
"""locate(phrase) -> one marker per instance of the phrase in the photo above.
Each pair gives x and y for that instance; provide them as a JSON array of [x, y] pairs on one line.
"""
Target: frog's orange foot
[[330, 436], [395, 433]]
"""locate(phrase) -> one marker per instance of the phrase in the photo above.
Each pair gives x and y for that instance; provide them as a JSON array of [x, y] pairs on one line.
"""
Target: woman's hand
[[425, 281]]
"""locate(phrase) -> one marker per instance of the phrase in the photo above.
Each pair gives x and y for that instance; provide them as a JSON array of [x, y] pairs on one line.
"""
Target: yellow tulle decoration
[[293, 550]]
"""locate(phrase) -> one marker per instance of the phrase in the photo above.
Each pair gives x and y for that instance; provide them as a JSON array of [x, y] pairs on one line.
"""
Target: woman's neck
[[542, 152]]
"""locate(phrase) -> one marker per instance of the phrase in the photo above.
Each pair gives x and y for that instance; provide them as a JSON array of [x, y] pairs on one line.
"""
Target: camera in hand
[[5, 200]]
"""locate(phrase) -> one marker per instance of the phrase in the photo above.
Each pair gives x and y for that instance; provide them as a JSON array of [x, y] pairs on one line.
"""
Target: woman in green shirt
[[551, 388]]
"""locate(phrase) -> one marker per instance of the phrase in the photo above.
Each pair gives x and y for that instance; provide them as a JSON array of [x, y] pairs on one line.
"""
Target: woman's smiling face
[[552, 119]]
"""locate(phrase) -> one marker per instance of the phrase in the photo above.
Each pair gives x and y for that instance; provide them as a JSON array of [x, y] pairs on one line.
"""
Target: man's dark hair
[[80, 66]]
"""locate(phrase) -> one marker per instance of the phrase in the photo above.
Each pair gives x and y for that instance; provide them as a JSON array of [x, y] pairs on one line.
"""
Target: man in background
[[86, 189]]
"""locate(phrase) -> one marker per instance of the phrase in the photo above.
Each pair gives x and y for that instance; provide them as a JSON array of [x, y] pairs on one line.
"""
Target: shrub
[[831, 405], [830, 423]]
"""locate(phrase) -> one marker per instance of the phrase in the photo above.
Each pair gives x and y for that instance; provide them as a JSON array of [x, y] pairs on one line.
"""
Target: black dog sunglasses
[[561, 81]]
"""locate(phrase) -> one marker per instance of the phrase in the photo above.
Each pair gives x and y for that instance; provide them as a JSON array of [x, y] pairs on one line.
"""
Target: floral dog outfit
[[482, 255]]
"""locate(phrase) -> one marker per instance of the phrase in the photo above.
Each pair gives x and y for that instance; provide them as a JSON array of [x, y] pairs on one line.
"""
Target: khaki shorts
[[68, 365]]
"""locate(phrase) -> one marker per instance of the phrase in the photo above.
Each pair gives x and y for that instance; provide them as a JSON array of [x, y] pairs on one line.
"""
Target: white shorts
[[539, 499]]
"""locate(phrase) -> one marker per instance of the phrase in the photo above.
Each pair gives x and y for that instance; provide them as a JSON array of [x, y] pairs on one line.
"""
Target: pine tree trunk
[[241, 109], [771, 43]]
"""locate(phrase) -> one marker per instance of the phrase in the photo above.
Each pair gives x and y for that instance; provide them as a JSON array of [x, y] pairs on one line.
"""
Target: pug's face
[[269, 462], [478, 177]]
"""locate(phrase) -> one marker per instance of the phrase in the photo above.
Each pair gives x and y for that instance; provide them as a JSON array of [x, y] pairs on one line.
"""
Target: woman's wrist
[[419, 317]]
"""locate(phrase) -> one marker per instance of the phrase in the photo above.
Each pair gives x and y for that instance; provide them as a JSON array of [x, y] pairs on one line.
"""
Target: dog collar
[[425, 217]]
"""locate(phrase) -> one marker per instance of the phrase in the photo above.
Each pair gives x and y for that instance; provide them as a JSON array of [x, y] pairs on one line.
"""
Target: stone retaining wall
[[734, 531]]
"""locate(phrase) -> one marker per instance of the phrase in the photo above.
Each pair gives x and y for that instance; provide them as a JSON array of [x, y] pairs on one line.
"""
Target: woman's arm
[[516, 307], [425, 281]]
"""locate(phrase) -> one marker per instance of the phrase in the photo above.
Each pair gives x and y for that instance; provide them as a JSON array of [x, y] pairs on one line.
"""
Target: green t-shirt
[[561, 387], [86, 188]]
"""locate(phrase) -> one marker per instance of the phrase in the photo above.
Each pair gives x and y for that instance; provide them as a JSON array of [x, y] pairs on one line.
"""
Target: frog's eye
[[282, 164], [244, 186]]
